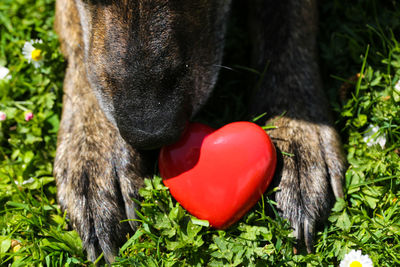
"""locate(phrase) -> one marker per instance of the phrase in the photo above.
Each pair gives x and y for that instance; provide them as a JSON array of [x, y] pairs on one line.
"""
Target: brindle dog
[[138, 70]]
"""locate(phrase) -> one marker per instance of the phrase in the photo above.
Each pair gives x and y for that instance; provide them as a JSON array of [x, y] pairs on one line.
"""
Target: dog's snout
[[150, 129]]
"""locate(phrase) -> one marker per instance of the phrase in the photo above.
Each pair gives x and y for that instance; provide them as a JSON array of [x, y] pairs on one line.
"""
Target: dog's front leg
[[311, 176], [96, 171]]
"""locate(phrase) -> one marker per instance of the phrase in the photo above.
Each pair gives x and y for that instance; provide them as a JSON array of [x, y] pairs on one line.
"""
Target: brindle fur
[[138, 70]]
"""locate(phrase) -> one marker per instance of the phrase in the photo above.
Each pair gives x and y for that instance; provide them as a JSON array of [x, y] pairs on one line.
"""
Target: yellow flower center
[[355, 264], [36, 54]]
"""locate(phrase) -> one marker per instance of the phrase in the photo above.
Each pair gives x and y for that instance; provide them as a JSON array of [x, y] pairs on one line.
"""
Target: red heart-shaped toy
[[218, 175]]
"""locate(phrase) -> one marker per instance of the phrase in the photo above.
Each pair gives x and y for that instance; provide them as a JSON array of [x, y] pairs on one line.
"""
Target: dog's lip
[[146, 140], [163, 129]]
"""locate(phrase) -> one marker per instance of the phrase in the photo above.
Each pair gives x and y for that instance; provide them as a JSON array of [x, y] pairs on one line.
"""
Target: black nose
[[153, 118], [152, 127]]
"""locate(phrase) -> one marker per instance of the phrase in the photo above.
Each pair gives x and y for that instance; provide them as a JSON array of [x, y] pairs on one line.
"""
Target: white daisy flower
[[4, 73], [372, 137], [355, 259], [32, 54]]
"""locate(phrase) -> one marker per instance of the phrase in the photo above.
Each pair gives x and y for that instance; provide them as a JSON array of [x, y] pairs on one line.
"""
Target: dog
[[139, 70]]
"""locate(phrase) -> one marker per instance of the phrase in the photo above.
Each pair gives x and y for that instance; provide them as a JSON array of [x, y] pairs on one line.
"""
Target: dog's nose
[[149, 119], [152, 128]]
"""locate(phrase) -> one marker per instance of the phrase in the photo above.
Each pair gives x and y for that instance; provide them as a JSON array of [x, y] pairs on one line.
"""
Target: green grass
[[355, 37]]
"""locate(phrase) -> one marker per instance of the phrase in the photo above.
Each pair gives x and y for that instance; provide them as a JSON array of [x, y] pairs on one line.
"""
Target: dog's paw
[[310, 176], [97, 176]]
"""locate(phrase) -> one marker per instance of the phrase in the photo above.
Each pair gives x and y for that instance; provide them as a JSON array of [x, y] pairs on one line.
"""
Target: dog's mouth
[[145, 140]]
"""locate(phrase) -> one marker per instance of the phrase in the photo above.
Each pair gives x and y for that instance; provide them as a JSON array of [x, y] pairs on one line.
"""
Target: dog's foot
[[97, 175], [311, 174]]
